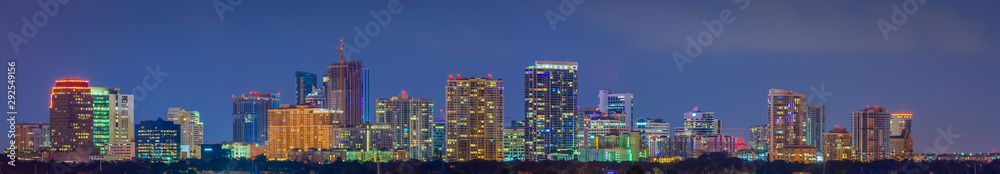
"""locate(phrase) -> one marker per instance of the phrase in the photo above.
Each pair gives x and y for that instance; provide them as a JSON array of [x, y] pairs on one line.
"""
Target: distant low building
[[513, 144], [157, 141], [326, 156], [655, 133], [232, 150], [838, 145], [694, 146], [617, 148], [120, 151], [800, 153], [32, 137], [364, 137], [979, 157]]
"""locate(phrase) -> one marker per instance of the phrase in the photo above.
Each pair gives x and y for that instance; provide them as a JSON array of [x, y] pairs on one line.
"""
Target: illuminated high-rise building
[[192, 129], [71, 115], [758, 138], [582, 124], [345, 90], [365, 137], [900, 138], [870, 138], [655, 134], [112, 117], [440, 132], [616, 104], [102, 115], [304, 84], [157, 141], [815, 125], [32, 137], [366, 104], [513, 143], [550, 104], [121, 122], [299, 126], [474, 107], [412, 119], [786, 114], [605, 126], [838, 145], [250, 116], [80, 114], [697, 122]]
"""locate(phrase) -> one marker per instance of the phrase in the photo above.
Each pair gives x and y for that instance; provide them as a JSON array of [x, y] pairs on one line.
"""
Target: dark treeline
[[712, 163]]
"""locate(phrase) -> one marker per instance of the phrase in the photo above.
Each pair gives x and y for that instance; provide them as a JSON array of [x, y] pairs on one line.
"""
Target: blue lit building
[[250, 116], [157, 141], [366, 104], [438, 141], [304, 84]]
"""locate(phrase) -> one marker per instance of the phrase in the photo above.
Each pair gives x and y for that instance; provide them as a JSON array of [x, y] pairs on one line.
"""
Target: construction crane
[[341, 48]]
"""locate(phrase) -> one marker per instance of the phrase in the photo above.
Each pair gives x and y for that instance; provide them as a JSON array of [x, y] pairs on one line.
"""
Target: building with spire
[[345, 89]]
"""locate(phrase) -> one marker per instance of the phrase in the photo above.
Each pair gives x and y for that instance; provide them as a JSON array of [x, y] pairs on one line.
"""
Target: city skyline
[[913, 82]]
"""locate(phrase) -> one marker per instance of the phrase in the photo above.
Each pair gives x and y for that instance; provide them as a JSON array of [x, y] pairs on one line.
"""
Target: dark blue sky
[[940, 64]]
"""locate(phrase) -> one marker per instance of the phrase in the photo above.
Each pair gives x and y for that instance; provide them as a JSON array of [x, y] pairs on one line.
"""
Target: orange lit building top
[[902, 114]]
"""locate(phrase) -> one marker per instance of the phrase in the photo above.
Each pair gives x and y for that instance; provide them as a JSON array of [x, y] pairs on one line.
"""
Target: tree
[[635, 169]]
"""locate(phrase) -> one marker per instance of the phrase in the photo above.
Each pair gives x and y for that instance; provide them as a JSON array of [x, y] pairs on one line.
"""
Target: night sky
[[940, 64]]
